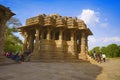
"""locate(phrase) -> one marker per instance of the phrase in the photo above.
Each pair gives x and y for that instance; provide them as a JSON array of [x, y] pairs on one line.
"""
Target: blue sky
[[101, 16]]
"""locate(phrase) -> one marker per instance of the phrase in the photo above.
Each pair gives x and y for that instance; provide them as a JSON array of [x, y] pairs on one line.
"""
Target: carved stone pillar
[[36, 53], [86, 42], [37, 35], [37, 40], [60, 49], [25, 41], [48, 34], [73, 43], [72, 36], [82, 54], [31, 42], [61, 35]]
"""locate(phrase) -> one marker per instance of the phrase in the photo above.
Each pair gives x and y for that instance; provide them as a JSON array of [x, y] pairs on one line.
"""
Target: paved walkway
[[49, 71], [109, 70]]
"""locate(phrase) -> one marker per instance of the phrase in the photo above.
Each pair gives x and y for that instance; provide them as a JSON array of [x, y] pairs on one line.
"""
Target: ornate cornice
[[56, 20]]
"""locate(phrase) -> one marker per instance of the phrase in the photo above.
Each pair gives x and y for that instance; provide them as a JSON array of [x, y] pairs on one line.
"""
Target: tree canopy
[[12, 42], [112, 50]]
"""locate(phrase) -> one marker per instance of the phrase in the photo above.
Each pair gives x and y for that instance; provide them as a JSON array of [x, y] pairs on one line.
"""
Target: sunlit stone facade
[[55, 37]]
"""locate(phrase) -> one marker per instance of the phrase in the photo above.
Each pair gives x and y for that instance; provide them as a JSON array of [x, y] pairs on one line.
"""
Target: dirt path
[[109, 70]]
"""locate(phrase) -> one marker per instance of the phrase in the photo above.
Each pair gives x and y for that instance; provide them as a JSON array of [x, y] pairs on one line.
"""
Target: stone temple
[[5, 15], [55, 37]]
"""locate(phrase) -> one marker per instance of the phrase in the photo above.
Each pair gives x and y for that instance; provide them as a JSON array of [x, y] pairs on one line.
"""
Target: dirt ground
[[110, 70]]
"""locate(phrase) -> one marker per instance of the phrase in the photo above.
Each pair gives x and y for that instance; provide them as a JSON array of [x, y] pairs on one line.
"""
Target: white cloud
[[89, 16], [104, 24], [92, 39], [93, 42], [92, 18], [111, 39]]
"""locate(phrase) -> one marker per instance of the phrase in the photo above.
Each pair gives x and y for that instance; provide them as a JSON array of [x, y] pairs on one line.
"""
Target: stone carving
[[79, 23], [71, 23], [60, 22], [55, 37], [41, 19], [56, 21], [48, 21], [34, 20]]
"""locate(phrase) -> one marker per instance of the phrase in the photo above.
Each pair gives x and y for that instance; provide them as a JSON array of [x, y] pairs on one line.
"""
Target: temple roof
[[6, 9], [56, 21]]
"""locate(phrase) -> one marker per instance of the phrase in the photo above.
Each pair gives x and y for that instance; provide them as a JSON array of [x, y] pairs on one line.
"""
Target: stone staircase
[[91, 60], [59, 60]]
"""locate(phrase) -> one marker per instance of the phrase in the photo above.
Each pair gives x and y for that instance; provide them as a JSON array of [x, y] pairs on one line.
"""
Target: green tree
[[112, 50], [119, 51], [96, 49], [12, 43], [103, 49]]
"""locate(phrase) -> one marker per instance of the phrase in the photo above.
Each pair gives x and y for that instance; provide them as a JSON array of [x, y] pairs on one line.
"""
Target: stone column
[[61, 35], [82, 54], [48, 34], [25, 41], [74, 43], [37, 40], [36, 53], [86, 42], [60, 46], [31, 42], [72, 36], [37, 35]]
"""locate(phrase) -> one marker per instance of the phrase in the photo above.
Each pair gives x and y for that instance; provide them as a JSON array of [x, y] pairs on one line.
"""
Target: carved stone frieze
[[56, 21], [49, 21], [60, 22], [34, 20]]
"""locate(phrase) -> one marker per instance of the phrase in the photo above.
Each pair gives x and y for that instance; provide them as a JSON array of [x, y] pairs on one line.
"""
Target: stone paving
[[49, 71]]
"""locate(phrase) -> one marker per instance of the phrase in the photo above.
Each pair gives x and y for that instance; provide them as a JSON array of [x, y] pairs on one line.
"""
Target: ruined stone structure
[[5, 14], [55, 37]]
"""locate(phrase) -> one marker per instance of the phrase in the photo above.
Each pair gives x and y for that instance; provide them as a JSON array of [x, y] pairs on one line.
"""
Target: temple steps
[[92, 61], [59, 60]]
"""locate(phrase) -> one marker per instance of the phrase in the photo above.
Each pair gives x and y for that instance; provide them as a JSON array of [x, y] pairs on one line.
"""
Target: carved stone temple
[[5, 14], [56, 37]]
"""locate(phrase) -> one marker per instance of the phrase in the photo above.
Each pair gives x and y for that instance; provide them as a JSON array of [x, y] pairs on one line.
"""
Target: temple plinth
[[56, 37]]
